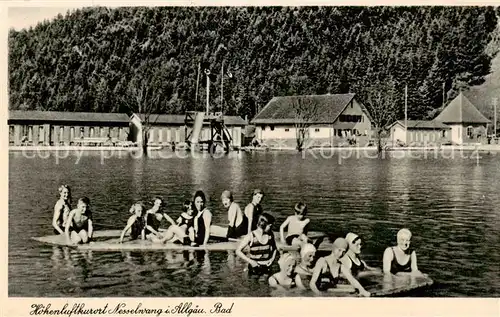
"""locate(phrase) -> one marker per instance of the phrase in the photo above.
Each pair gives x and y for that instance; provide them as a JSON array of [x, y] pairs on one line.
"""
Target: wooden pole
[[197, 83], [495, 100], [222, 88], [208, 90], [406, 114]]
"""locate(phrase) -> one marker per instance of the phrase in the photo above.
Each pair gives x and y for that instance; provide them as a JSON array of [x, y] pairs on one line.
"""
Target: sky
[[24, 17]]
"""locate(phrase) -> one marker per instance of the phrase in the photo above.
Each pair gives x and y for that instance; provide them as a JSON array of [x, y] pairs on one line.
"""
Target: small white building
[[467, 124], [419, 132], [339, 120]]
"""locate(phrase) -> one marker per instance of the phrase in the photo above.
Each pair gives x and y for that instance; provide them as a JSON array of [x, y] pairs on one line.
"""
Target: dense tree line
[[99, 59]]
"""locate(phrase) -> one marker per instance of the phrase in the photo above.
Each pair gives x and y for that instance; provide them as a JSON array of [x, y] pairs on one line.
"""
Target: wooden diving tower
[[219, 135]]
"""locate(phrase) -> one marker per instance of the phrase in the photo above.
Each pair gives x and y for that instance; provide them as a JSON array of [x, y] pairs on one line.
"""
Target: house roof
[[422, 124], [35, 115], [179, 119], [461, 110], [280, 110]]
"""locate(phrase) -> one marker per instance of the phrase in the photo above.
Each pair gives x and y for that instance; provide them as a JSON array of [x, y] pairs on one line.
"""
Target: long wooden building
[[66, 128]]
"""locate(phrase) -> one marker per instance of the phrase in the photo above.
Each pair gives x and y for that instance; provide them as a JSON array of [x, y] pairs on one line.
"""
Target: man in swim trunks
[[254, 209], [297, 227], [238, 222]]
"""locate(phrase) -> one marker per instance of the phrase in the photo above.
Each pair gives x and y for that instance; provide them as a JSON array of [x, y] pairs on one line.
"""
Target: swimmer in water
[[297, 227], [352, 260], [306, 265], [238, 222], [401, 259], [262, 247], [62, 209], [327, 271], [287, 277], [79, 227], [136, 223]]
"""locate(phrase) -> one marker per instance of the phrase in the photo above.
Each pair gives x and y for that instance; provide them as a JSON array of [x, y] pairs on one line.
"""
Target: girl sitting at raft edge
[[402, 253], [79, 227], [287, 277], [262, 247], [327, 272], [203, 218], [135, 223], [352, 260], [183, 231], [62, 209], [238, 222], [154, 216]]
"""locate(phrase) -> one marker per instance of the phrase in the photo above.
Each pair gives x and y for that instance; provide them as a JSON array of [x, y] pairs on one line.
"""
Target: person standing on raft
[[238, 222], [62, 209], [254, 209], [262, 247]]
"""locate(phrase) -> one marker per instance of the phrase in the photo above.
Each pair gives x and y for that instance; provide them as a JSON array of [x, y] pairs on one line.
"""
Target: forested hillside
[[146, 59]]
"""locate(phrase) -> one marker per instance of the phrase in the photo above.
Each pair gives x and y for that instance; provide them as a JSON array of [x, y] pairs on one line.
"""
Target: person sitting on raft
[[136, 223], [306, 265], [262, 247], [287, 277], [203, 218], [401, 259], [154, 216], [327, 271], [297, 227], [79, 227], [352, 260], [186, 223], [62, 209], [254, 209], [238, 222]]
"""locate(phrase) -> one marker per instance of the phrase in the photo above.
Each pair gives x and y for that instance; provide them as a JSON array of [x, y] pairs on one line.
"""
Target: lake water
[[452, 206]]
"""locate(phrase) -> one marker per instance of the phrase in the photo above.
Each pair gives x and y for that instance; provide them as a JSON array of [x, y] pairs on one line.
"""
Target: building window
[[271, 127], [82, 131], [91, 132], [287, 130], [339, 132], [350, 118], [470, 132], [316, 130], [443, 134], [40, 135]]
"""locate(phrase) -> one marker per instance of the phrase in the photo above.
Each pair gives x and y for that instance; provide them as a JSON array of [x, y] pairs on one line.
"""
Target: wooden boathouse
[[48, 128]]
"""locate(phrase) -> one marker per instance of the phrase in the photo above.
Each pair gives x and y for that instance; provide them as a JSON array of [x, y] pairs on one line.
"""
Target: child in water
[[136, 223], [262, 247], [297, 227], [186, 223], [287, 277]]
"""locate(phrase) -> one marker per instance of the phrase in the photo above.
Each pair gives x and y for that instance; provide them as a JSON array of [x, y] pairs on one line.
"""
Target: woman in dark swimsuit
[[136, 223], [79, 227], [401, 259], [352, 261], [62, 209], [327, 272], [238, 222], [286, 278], [203, 219]]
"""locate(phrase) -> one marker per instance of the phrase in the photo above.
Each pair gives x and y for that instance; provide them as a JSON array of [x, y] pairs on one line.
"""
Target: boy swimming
[[297, 227], [79, 227]]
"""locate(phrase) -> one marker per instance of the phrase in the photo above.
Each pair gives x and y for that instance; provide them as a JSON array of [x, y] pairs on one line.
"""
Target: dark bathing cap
[[258, 191]]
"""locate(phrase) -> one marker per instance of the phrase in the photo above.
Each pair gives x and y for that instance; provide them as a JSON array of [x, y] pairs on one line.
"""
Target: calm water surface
[[452, 206]]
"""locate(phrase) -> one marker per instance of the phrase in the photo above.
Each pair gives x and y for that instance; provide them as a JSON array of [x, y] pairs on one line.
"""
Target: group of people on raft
[[340, 270]]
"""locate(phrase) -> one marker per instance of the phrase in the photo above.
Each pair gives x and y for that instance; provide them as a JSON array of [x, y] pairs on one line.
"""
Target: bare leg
[[84, 236], [75, 238]]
